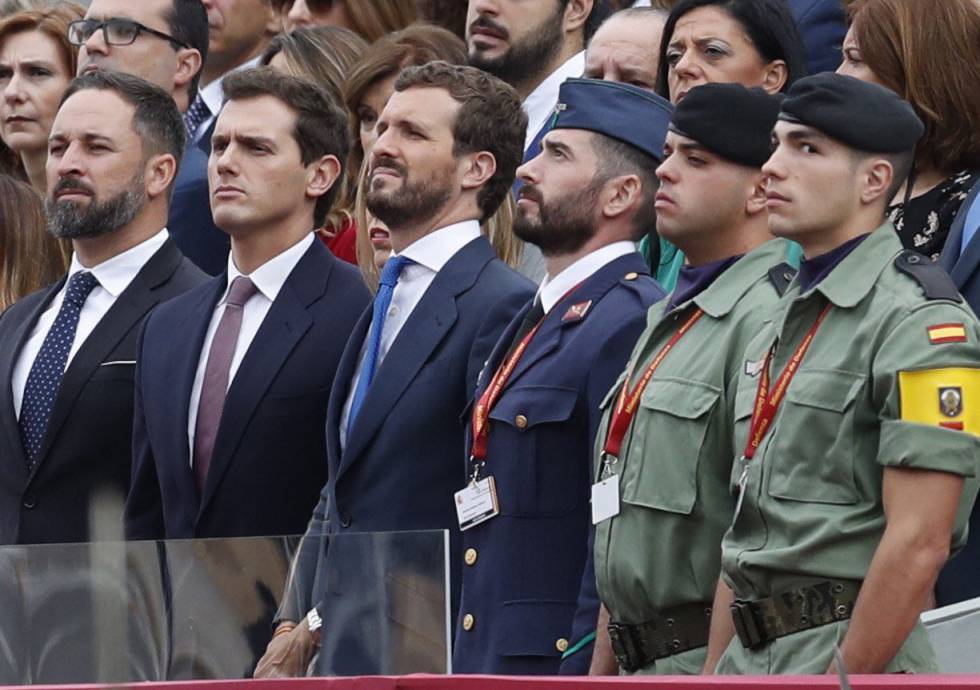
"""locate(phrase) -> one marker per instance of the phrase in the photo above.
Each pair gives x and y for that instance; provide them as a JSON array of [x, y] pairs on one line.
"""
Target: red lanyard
[[766, 404], [629, 400]]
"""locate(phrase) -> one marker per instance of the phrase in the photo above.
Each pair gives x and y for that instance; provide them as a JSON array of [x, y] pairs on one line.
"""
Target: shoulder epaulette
[[781, 276], [935, 283]]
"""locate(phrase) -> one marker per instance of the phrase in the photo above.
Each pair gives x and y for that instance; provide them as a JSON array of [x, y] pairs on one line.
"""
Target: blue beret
[[620, 111], [861, 115]]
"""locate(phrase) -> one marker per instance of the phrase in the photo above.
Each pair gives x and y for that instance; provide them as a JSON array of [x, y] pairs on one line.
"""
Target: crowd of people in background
[[542, 273]]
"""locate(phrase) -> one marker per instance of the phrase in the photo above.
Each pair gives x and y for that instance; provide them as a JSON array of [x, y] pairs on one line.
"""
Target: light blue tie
[[972, 224], [386, 288]]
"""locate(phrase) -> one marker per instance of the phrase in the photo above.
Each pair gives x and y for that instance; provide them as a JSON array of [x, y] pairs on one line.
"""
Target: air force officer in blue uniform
[[528, 604]]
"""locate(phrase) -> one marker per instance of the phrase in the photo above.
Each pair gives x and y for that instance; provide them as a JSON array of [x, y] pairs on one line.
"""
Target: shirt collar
[[723, 294], [553, 289], [271, 276], [213, 94], [540, 103], [115, 274], [852, 279], [436, 249]]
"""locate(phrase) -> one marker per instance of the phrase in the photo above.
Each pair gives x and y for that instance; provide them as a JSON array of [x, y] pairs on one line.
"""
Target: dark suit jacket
[[822, 25], [190, 221], [541, 465], [86, 452], [959, 581], [402, 460], [269, 461]]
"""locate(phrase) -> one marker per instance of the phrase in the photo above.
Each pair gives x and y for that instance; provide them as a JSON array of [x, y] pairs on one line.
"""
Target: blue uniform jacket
[[525, 570]]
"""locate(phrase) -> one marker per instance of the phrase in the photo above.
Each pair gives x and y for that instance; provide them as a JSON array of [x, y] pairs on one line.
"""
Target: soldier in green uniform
[[857, 407], [664, 450]]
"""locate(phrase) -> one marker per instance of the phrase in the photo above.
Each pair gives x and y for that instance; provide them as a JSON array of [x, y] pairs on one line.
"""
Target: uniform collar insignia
[[576, 312]]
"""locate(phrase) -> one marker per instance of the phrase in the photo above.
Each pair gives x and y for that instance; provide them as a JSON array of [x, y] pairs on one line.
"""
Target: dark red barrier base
[[421, 682]]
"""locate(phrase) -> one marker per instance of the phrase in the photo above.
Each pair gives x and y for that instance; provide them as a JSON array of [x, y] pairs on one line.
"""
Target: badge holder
[[605, 492], [477, 503]]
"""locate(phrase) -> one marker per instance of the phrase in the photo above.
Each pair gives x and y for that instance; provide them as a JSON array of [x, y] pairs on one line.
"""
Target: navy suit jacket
[[269, 459], [190, 222], [402, 460], [822, 25], [524, 587], [86, 452], [958, 581]]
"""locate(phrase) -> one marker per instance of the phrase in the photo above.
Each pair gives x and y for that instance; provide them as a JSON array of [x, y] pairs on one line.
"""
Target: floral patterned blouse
[[924, 224]]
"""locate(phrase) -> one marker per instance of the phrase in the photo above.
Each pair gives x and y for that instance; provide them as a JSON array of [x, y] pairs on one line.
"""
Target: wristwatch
[[314, 623]]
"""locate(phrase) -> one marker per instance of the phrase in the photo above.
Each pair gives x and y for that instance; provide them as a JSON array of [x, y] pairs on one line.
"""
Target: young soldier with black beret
[[857, 408]]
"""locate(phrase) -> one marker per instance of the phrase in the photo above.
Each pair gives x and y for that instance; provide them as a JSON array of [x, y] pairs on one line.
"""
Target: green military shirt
[[662, 549], [868, 395]]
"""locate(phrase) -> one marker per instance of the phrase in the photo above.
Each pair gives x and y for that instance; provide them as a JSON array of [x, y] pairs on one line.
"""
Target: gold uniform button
[[632, 275], [468, 622], [561, 645], [470, 556], [520, 421]]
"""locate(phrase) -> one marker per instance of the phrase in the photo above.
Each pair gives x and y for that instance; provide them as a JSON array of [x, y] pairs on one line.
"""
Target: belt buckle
[[623, 646], [746, 624]]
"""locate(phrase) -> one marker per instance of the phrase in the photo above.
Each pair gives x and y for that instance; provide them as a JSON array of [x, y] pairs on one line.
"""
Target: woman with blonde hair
[[30, 257], [36, 65], [929, 54], [369, 19]]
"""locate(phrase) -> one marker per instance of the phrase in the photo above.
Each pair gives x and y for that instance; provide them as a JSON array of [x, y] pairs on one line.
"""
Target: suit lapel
[[135, 301], [285, 324], [8, 360], [961, 266], [343, 380]]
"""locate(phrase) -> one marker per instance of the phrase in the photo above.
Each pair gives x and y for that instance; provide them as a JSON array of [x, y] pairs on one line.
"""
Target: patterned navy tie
[[46, 373], [195, 115]]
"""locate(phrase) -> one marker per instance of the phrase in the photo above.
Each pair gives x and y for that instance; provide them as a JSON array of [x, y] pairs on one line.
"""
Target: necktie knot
[[242, 289], [79, 287], [392, 269]]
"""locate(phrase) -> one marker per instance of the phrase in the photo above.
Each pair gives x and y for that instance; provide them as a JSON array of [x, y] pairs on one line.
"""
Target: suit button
[[561, 645], [521, 421], [30, 501], [470, 556], [468, 622], [345, 520]]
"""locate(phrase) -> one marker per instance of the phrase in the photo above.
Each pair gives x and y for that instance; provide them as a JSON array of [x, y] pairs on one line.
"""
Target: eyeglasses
[[115, 31]]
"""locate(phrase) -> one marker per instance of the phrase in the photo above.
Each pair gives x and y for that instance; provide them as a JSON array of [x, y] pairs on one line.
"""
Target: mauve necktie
[[386, 288], [46, 373], [215, 385]]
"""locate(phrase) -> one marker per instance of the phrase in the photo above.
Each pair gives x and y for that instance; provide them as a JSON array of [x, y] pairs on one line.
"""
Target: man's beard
[[527, 55], [413, 202], [562, 226], [68, 220]]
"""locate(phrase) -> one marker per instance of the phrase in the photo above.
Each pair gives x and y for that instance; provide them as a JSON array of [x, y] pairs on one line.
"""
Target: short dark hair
[[155, 118], [321, 126], [490, 118], [902, 165], [769, 24], [619, 158], [187, 21]]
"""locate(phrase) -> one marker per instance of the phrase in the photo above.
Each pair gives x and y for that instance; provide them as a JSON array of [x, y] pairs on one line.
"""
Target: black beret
[[859, 114], [621, 111], [729, 120]]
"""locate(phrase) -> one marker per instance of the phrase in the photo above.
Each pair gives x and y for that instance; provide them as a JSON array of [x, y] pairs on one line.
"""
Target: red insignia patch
[[576, 312]]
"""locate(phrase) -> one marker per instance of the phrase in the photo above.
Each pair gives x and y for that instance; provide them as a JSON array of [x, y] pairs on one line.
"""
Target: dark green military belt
[[672, 631], [763, 620]]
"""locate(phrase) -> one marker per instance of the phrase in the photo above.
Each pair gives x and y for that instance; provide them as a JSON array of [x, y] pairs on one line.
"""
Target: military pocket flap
[[680, 398], [534, 627], [526, 406], [824, 389]]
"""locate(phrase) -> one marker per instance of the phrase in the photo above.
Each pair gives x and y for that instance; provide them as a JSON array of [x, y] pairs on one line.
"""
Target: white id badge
[[743, 481], [605, 499], [476, 503]]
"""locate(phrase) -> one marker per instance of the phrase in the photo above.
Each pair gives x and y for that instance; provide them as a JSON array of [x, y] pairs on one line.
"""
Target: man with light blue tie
[[961, 258], [450, 140]]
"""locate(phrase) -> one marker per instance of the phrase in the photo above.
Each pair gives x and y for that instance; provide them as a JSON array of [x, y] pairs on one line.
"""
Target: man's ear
[[189, 63], [775, 77], [756, 202], [576, 15], [479, 168], [876, 180], [322, 175], [159, 173], [620, 195], [274, 21]]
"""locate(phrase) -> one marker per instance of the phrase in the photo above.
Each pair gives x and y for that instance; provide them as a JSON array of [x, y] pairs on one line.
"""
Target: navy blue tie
[[195, 115], [386, 288], [46, 373]]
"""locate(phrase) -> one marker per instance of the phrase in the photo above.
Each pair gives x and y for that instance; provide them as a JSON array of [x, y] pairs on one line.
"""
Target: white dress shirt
[[429, 254], [269, 279], [213, 96], [540, 103], [114, 276], [553, 289]]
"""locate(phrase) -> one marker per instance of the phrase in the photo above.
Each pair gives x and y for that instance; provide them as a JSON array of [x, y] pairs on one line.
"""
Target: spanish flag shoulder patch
[[946, 333]]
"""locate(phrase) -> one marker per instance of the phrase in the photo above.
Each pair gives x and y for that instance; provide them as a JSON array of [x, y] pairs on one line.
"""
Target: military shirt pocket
[[662, 462], [812, 455]]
